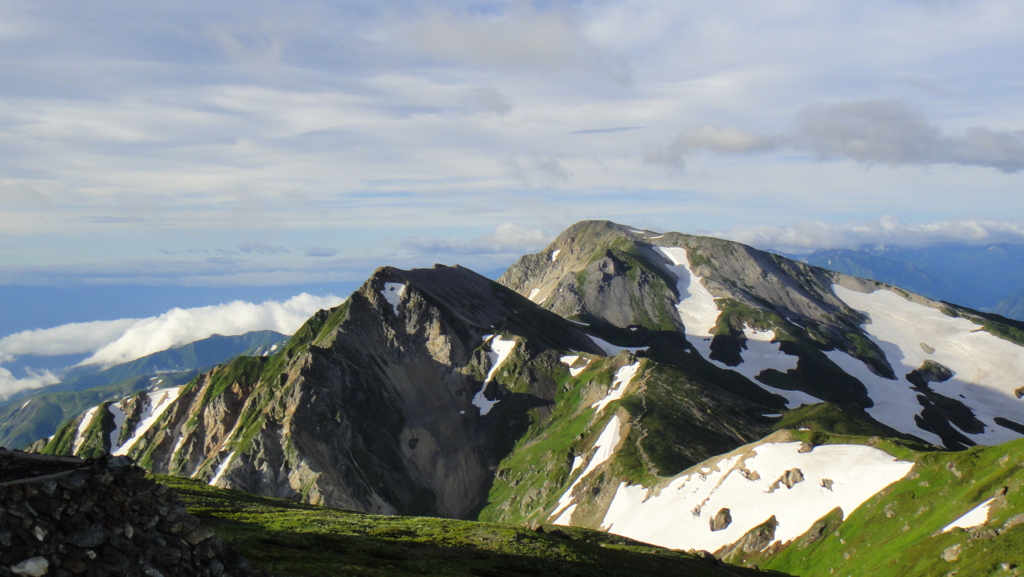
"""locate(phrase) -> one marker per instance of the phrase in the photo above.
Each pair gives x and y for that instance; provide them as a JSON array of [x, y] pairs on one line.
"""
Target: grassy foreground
[[286, 538]]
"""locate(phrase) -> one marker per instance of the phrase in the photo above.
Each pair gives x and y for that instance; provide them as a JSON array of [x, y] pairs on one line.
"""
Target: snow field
[[974, 518], [159, 402], [533, 293], [622, 379], [679, 515], [566, 517], [554, 254], [986, 369], [500, 350], [696, 307], [393, 292], [83, 424], [571, 360], [606, 444], [762, 354], [699, 313]]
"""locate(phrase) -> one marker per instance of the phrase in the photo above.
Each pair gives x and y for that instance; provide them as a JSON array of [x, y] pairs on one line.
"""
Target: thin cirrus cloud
[[321, 252], [869, 132], [260, 248], [123, 340], [606, 130]]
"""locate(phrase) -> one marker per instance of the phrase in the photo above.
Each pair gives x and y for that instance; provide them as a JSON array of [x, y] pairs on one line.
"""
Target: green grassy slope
[[897, 532], [46, 412], [291, 539], [41, 413]]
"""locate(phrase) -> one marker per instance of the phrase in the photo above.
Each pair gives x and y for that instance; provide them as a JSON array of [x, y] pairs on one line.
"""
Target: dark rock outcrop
[[721, 520]]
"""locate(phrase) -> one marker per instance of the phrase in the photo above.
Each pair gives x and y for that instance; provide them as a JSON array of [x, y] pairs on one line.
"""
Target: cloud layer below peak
[[120, 341]]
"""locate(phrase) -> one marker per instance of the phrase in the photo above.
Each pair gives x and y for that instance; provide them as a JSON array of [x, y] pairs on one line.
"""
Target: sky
[[256, 150]]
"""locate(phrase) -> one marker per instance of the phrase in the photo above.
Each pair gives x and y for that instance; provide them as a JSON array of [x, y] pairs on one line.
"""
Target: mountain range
[[684, 391], [987, 277]]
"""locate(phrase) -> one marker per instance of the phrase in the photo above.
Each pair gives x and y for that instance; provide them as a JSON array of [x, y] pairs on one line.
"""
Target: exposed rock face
[[721, 520], [618, 260], [754, 541], [66, 516], [791, 477], [377, 405]]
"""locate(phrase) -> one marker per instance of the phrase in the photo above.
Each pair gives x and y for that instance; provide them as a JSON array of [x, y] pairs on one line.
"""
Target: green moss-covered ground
[[290, 539]]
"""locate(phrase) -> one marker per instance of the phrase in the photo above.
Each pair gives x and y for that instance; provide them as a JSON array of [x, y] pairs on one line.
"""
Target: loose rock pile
[[64, 516]]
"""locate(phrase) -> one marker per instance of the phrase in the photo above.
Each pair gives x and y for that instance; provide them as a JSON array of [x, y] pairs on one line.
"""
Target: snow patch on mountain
[[159, 402], [976, 517], [222, 468], [83, 424], [986, 369], [612, 350], [622, 379], [393, 292], [699, 313], [753, 486], [500, 349], [762, 354], [571, 360], [605, 445], [895, 403], [696, 307], [533, 293], [554, 254]]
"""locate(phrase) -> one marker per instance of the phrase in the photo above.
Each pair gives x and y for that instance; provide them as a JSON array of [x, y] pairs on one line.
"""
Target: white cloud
[[711, 138], [507, 239], [889, 230], [120, 341], [9, 384], [512, 235], [887, 132], [260, 248], [322, 124], [319, 251], [180, 326], [869, 131], [69, 339]]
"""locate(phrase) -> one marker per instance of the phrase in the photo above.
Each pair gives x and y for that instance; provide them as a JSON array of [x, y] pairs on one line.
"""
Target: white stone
[[34, 567]]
